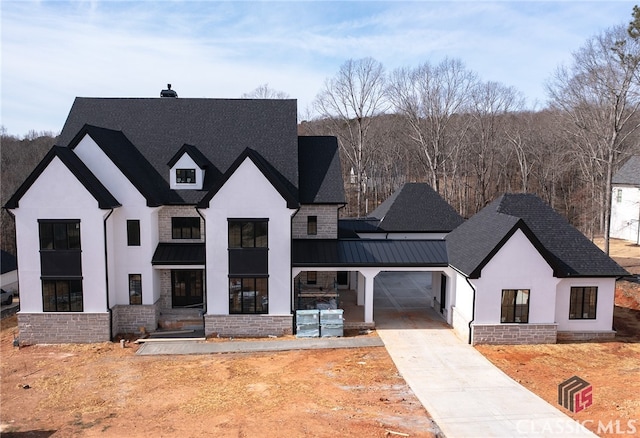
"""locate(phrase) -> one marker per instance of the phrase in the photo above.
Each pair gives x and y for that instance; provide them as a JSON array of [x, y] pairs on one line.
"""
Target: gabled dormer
[[187, 169]]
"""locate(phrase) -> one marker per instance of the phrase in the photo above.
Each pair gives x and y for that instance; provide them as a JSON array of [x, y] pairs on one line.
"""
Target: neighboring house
[[8, 273], [625, 202], [525, 275], [214, 214]]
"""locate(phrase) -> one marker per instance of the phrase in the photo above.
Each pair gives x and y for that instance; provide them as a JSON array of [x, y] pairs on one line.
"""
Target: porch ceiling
[[369, 253]]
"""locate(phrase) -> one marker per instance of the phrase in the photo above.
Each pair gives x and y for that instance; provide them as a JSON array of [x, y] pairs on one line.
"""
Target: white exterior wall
[[604, 305], [248, 194], [462, 304], [517, 265], [185, 162], [625, 215], [57, 194], [123, 259]]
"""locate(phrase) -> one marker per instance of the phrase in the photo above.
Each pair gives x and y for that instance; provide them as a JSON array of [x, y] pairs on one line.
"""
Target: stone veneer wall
[[586, 336], [327, 222], [514, 333], [60, 328], [248, 325], [164, 222], [129, 319]]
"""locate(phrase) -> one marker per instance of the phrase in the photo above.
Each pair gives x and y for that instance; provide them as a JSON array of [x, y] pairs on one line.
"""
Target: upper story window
[[59, 235], [248, 234], [312, 225], [133, 232], [185, 228], [185, 176], [619, 195]]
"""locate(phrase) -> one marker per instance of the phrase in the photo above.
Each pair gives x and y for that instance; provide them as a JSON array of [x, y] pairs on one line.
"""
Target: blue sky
[[53, 51]]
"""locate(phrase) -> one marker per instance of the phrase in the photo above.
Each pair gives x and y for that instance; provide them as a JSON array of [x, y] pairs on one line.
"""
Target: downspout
[[106, 273], [473, 308], [206, 283], [292, 291]]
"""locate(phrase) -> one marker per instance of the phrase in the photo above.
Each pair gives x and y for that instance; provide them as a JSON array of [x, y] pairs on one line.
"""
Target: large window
[[135, 289], [59, 235], [583, 302], [62, 295], [248, 295], [133, 232], [187, 288], [185, 227], [248, 234], [515, 306], [185, 176]]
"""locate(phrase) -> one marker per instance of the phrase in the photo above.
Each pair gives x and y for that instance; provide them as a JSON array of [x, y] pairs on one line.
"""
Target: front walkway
[[464, 393]]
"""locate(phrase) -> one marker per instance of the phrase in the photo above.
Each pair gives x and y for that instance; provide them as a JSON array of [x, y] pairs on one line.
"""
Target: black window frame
[[244, 298], [578, 298], [59, 235], [180, 224], [184, 175], [248, 233], [73, 294], [133, 232], [511, 311], [312, 225], [135, 289]]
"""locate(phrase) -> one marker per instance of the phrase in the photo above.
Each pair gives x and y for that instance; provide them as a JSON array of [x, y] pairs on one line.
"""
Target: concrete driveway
[[465, 394]]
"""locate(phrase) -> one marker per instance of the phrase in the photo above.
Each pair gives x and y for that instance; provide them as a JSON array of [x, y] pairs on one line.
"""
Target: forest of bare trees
[[470, 139]]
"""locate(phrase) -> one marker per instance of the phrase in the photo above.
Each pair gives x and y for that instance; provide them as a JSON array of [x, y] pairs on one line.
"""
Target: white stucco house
[[215, 214], [625, 202]]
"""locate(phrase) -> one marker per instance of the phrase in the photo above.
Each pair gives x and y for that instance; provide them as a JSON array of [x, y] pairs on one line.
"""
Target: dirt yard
[[612, 368], [104, 390]]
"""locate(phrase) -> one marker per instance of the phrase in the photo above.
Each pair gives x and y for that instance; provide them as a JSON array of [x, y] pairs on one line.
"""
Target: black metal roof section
[[131, 163], [566, 250], [179, 254], [629, 173], [286, 190], [93, 185], [320, 174], [368, 253], [416, 207], [8, 262], [220, 129]]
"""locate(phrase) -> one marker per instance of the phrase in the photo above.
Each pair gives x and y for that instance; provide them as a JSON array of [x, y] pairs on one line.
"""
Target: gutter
[[106, 273], [473, 308]]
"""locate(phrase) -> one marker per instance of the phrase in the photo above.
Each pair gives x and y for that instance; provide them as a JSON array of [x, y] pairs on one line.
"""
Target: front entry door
[[443, 292], [187, 288]]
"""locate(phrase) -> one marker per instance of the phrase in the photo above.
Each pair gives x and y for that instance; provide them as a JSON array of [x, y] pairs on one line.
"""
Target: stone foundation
[[60, 328], [248, 325], [129, 319], [586, 336], [514, 334]]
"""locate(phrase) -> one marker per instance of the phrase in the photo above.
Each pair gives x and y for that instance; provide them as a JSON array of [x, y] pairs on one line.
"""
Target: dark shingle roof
[[105, 199], [195, 154], [568, 252], [131, 163], [219, 128], [281, 184], [416, 207], [368, 252], [179, 254], [629, 173], [320, 172], [8, 262], [350, 227]]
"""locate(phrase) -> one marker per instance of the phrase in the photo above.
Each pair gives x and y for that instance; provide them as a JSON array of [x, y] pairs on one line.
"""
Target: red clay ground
[[613, 368], [104, 390]]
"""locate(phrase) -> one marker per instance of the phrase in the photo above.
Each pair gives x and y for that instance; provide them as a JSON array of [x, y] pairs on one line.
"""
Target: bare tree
[[429, 97], [265, 92], [351, 100], [600, 94]]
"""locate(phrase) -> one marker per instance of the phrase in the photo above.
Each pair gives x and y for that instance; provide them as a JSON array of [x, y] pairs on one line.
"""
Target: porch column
[[369, 277]]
